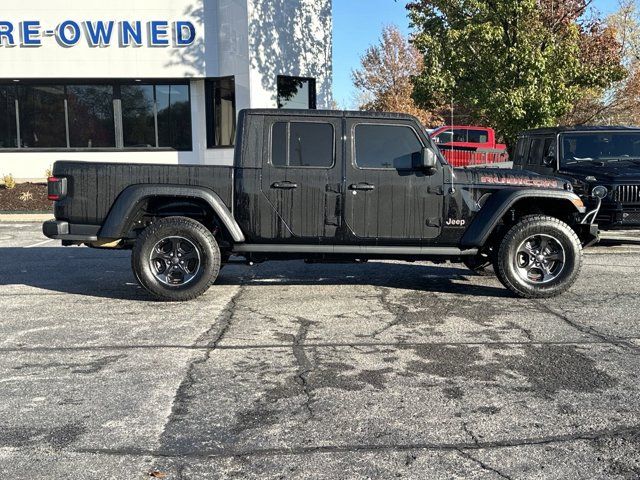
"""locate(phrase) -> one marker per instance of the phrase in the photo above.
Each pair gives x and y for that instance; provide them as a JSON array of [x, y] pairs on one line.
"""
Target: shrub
[[9, 181]]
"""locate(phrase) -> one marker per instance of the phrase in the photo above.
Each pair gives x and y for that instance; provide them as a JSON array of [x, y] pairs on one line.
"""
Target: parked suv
[[590, 157], [330, 186]]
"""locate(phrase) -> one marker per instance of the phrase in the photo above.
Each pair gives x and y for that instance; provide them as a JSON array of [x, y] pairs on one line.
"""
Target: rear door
[[389, 200], [301, 176]]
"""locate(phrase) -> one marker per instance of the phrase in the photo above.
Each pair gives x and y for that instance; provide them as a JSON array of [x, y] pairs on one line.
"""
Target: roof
[[330, 113], [580, 128]]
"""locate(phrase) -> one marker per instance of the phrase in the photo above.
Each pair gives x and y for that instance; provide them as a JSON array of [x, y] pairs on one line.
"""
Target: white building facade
[[151, 80]]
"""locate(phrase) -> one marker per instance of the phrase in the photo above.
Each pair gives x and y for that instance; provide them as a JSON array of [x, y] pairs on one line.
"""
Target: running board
[[357, 250]]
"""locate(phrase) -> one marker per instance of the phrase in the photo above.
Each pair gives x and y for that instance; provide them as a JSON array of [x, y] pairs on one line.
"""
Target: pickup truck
[[464, 145], [603, 158], [322, 186]]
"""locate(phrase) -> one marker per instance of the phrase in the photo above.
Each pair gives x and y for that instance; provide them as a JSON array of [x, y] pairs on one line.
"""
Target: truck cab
[[464, 145], [323, 186]]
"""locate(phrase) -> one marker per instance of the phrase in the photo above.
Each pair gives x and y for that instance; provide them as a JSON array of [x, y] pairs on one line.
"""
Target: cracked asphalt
[[287, 370]]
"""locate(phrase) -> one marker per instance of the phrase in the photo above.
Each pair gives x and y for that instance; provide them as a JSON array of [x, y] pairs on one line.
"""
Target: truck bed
[[94, 187]]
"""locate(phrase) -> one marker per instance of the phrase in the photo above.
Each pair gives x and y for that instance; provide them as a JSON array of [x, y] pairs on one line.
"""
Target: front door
[[389, 199], [301, 177]]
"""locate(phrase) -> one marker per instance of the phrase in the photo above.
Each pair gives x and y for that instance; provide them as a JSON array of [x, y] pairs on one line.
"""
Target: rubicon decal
[[100, 33], [519, 181]]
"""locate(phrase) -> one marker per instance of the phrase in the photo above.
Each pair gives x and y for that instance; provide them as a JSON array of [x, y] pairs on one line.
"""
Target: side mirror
[[549, 161], [428, 160]]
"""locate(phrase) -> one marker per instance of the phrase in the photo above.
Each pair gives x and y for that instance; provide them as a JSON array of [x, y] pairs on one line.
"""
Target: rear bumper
[[60, 230]]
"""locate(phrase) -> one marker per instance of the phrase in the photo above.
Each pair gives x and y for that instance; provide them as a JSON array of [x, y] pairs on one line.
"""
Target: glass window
[[386, 146], [302, 144], [42, 116], [8, 135], [174, 116], [520, 151], [138, 119], [91, 116], [478, 136], [549, 149], [296, 93], [535, 151], [444, 137], [221, 112]]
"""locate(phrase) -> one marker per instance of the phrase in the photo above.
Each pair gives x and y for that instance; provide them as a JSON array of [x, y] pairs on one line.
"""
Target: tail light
[[56, 188]]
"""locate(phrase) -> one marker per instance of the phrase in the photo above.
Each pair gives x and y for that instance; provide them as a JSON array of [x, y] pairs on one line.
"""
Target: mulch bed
[[25, 197]]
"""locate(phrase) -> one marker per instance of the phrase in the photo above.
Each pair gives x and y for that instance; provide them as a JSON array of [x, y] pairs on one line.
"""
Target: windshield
[[600, 147]]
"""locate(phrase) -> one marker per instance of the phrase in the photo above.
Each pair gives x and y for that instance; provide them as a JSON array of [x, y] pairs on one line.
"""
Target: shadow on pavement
[[107, 274]]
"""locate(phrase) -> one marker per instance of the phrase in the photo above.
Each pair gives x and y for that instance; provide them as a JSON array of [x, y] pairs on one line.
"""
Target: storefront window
[[8, 135], [138, 116], [221, 112], [102, 115], [42, 116], [174, 116], [91, 123], [296, 93]]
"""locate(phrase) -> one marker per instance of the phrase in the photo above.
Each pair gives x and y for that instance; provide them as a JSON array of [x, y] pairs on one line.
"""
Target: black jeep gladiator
[[600, 160], [323, 186]]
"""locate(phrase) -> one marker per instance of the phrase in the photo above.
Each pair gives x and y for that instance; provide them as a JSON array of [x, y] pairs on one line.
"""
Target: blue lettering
[[158, 33], [30, 31], [6, 32], [131, 33], [183, 28], [68, 33], [99, 34]]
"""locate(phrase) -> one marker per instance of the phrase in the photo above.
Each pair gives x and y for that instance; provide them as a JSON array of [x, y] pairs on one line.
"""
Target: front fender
[[126, 206], [499, 203]]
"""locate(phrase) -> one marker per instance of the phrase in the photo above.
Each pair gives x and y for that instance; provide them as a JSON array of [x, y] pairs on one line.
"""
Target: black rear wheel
[[539, 257], [176, 259]]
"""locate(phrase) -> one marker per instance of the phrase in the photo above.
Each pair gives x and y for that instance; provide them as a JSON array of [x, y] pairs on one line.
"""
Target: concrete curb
[[25, 217]]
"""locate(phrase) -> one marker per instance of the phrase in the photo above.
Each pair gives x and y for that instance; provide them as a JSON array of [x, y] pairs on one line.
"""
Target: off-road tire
[[480, 265], [505, 260], [192, 231]]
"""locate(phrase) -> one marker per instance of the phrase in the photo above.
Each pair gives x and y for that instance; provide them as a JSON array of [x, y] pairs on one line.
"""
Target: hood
[[513, 178], [622, 171]]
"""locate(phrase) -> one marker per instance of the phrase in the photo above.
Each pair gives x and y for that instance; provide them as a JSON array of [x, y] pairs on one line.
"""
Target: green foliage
[[514, 64]]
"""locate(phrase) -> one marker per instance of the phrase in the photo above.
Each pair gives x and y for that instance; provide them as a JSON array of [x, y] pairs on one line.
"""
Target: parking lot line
[[39, 244]]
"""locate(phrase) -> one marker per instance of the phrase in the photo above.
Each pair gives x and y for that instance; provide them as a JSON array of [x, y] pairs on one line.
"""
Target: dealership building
[[151, 80]]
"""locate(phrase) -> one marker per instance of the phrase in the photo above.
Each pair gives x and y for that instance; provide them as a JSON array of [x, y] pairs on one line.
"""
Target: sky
[[358, 24]]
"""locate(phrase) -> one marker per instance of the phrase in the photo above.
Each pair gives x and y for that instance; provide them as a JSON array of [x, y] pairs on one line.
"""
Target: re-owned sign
[[100, 33]]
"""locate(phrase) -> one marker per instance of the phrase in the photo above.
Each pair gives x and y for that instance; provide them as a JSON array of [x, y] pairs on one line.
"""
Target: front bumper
[[61, 230]]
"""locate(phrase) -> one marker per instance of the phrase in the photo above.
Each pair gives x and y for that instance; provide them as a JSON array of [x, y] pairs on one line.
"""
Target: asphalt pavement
[[288, 370]]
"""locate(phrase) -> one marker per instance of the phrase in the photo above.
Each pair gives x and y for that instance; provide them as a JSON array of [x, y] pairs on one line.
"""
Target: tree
[[619, 104], [385, 76], [515, 64]]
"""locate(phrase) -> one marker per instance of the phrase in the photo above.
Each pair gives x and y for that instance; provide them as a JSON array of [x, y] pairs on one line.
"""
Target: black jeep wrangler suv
[[603, 158], [323, 185]]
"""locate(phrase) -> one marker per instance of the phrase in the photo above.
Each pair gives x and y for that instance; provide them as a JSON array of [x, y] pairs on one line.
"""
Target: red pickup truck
[[464, 145]]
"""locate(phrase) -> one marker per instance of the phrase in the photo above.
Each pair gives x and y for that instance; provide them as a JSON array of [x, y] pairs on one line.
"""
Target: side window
[[549, 149], [478, 136], [521, 148], [535, 151], [302, 144], [386, 146]]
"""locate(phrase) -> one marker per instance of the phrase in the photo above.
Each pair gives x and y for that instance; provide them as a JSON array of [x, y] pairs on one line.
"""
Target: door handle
[[362, 186], [285, 185]]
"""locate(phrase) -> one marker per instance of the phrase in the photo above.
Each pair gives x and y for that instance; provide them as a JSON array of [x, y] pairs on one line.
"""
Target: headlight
[[600, 192]]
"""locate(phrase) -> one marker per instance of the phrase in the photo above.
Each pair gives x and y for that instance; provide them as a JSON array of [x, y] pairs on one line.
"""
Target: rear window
[[478, 136], [302, 144]]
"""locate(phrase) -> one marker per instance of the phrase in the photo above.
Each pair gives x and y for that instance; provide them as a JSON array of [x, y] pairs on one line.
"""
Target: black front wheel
[[539, 257], [176, 259]]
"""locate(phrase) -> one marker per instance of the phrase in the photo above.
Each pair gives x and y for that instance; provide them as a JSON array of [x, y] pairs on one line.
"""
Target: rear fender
[[126, 206]]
